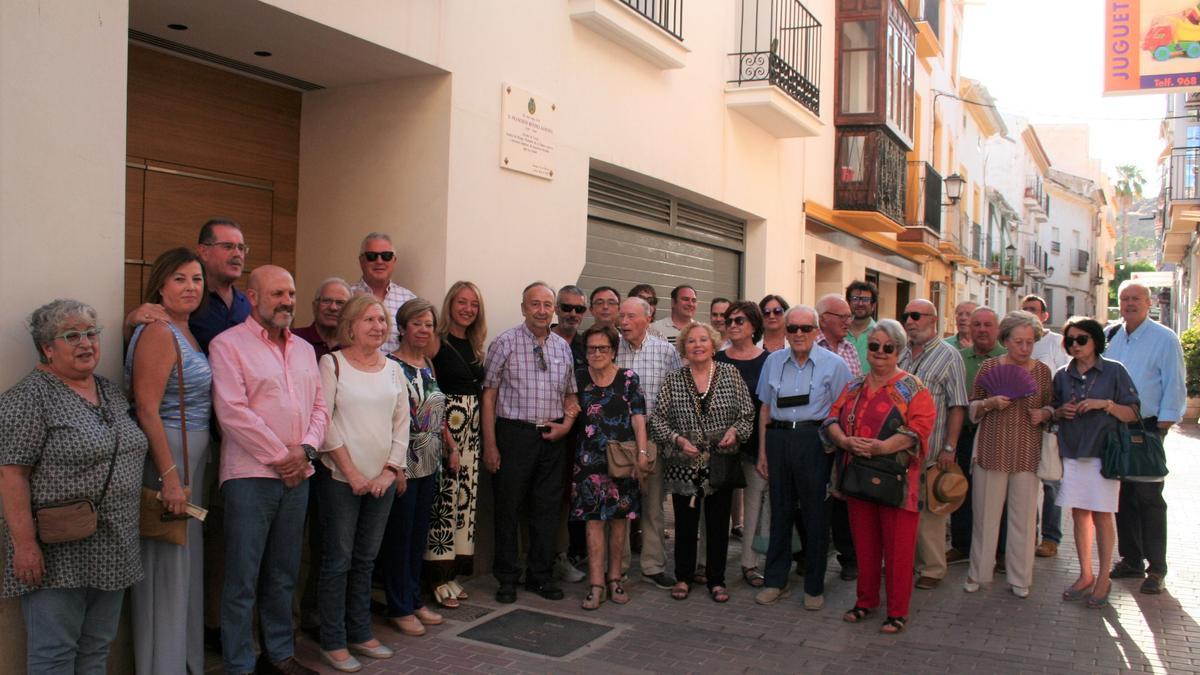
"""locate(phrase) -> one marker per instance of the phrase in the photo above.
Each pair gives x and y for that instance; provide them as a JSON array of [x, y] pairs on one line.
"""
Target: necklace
[[712, 368]]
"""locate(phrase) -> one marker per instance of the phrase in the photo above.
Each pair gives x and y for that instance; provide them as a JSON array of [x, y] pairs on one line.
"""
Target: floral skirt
[[595, 495], [451, 548]]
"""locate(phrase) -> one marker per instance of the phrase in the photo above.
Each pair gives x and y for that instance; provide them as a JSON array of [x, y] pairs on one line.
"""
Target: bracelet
[[642, 451], [168, 471]]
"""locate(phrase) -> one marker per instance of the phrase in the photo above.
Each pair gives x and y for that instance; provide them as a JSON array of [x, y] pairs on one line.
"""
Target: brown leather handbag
[[622, 458], [155, 521]]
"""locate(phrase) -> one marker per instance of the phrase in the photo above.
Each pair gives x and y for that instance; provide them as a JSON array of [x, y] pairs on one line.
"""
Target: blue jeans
[[1051, 512], [404, 542], [264, 531], [69, 629], [352, 529]]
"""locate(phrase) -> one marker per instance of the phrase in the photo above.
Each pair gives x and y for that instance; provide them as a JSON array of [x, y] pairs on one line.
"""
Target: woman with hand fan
[[1092, 395], [1011, 403]]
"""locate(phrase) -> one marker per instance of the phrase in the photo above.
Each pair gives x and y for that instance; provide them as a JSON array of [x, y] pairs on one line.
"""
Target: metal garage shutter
[[636, 235]]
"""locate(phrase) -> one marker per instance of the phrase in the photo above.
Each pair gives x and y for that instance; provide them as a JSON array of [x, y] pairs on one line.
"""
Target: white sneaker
[[1020, 591], [971, 586], [813, 603], [565, 571]]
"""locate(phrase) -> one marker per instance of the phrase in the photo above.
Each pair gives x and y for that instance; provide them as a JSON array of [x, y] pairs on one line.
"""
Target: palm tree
[[1127, 190]]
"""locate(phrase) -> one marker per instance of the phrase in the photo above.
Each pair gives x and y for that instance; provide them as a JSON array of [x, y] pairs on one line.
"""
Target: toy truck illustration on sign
[[1174, 35]]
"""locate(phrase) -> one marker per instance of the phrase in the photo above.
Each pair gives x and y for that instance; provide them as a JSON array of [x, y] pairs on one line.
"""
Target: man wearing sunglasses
[[572, 549], [798, 386], [570, 311], [377, 259], [1049, 350], [1152, 354], [940, 367], [683, 312], [863, 298]]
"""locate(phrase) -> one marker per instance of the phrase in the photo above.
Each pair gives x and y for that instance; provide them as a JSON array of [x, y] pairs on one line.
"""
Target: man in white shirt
[[1048, 350], [683, 312]]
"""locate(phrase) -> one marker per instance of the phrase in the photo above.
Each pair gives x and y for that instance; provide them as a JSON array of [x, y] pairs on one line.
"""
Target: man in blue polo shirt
[[797, 387], [1151, 353]]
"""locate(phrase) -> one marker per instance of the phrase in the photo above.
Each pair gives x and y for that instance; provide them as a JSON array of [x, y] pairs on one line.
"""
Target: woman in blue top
[[168, 635], [1092, 395]]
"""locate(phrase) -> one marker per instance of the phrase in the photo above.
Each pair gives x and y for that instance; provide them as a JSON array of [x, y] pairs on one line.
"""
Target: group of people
[[373, 423]]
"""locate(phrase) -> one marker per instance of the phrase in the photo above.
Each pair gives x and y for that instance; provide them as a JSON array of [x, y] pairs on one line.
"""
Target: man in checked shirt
[[529, 405]]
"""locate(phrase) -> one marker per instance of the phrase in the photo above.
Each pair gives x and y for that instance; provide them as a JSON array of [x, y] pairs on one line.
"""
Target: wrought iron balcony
[[1185, 174], [1080, 260], [927, 15], [870, 173], [779, 44], [666, 14], [1036, 198]]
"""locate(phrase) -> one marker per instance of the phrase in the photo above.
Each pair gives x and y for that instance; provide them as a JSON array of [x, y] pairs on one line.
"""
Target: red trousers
[[885, 539]]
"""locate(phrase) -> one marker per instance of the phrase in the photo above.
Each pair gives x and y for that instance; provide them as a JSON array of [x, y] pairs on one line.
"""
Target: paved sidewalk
[[948, 630]]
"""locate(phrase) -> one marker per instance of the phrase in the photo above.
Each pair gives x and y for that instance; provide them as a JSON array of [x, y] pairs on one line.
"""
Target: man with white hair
[[377, 258], [332, 295], [1154, 358]]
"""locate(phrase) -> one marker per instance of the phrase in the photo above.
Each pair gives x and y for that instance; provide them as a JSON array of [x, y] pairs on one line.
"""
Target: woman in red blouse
[[885, 412], [1008, 447]]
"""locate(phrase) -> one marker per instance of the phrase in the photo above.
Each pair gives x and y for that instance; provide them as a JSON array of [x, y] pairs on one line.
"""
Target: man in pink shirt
[[267, 396]]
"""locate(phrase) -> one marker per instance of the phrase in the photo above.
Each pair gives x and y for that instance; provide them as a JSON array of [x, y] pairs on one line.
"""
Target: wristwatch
[[309, 451], [948, 448]]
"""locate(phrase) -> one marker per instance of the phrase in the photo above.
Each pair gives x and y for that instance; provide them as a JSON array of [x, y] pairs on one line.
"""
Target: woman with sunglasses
[[1092, 395], [1008, 448], [743, 326], [702, 408], [773, 308], [887, 411]]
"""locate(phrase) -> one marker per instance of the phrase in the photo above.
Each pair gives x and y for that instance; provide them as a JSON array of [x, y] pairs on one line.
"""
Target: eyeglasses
[[74, 337], [372, 256], [229, 247], [915, 316], [540, 356], [805, 328], [564, 308], [774, 311], [876, 346], [738, 320], [598, 349], [843, 317], [331, 302], [860, 300], [1080, 340]]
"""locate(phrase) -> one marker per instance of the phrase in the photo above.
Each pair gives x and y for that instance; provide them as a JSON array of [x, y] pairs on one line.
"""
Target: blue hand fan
[[1008, 380]]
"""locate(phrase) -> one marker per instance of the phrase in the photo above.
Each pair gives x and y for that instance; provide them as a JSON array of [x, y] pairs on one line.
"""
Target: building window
[[859, 50], [901, 56], [1070, 306]]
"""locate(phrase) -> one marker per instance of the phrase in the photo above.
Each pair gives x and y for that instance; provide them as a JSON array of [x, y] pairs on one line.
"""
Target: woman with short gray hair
[[1016, 319], [69, 442]]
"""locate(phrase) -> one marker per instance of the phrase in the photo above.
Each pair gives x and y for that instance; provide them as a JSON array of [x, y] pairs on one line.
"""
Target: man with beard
[[572, 539], [377, 259], [863, 298], [571, 310], [267, 397], [940, 367]]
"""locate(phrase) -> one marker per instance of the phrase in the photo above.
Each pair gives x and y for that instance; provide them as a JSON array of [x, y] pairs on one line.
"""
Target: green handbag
[[1133, 453]]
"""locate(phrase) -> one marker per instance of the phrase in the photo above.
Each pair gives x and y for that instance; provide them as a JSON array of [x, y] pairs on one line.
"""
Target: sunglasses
[[372, 256], [564, 308], [540, 357], [1080, 340], [797, 328], [887, 349], [775, 311], [738, 320], [915, 316]]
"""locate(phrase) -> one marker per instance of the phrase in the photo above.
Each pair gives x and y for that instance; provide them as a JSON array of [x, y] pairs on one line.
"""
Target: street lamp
[[954, 186]]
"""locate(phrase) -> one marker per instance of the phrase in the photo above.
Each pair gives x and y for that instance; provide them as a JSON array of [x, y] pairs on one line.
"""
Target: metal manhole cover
[[536, 632], [465, 613]]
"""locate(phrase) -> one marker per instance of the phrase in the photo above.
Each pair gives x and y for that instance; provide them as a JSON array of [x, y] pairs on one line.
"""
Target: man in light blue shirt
[[1154, 358], [798, 386]]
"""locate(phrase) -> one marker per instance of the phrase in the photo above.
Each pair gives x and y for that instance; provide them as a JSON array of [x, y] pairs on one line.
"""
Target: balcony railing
[[780, 43], [1080, 260], [1036, 196], [870, 172], [925, 196], [930, 11], [666, 14], [1185, 174], [978, 244]]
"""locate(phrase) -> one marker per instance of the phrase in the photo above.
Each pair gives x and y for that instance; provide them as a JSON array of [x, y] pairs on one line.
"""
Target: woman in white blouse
[[364, 449]]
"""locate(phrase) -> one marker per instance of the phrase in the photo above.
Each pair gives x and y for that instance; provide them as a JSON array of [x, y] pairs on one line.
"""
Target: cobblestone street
[[949, 631]]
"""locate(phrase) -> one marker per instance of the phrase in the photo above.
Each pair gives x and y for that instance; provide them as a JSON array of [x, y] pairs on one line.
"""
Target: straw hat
[[945, 490]]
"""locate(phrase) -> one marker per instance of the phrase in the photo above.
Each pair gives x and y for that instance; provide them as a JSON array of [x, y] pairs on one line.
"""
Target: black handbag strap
[[462, 360]]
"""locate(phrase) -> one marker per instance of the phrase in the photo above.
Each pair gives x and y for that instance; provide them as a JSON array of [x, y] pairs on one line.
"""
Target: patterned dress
[[607, 416]]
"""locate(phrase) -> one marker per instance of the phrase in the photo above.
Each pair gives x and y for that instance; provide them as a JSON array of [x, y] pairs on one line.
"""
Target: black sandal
[[856, 614], [893, 625]]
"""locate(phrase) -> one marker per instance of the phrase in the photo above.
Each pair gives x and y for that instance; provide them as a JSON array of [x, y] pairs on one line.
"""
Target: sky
[[1043, 60]]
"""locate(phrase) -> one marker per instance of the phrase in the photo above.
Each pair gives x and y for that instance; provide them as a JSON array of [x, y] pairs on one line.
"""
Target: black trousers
[[961, 521], [1142, 525], [530, 481], [687, 525], [798, 467]]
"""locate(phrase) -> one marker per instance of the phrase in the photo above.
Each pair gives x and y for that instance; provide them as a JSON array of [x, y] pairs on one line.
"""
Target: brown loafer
[[928, 583], [428, 616], [1046, 549]]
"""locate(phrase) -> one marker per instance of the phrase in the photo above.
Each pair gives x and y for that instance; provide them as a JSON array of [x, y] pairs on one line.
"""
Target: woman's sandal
[[719, 594], [616, 592], [893, 625], [856, 614], [458, 590], [680, 591], [701, 575], [753, 577], [445, 597], [593, 599]]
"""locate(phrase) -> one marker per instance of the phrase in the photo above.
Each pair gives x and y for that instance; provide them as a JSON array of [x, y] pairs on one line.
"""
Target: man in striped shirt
[[377, 258], [940, 367]]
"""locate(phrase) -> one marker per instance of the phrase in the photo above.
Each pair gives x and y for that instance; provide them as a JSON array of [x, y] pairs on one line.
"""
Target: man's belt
[[802, 424], [523, 424]]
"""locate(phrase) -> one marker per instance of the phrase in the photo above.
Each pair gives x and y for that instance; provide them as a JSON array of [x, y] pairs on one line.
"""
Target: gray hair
[[571, 289], [1134, 282], [331, 280], [895, 332], [384, 236], [826, 300], [646, 308], [536, 284], [802, 308], [47, 320], [985, 308], [1018, 318]]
